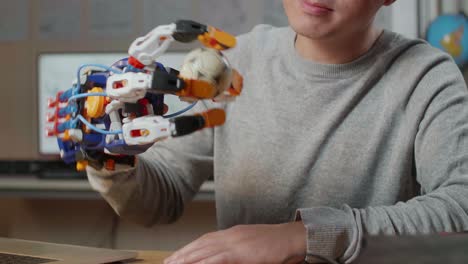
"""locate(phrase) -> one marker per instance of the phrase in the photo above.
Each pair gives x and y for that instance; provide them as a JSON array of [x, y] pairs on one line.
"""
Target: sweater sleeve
[[165, 177], [441, 168]]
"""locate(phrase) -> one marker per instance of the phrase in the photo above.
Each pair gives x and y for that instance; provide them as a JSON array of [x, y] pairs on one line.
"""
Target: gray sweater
[[375, 146]]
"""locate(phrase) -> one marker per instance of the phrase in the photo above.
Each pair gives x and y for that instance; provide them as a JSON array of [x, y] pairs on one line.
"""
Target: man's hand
[[283, 243]]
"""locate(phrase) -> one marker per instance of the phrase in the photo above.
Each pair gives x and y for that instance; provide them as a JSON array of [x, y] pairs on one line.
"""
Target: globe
[[449, 33]]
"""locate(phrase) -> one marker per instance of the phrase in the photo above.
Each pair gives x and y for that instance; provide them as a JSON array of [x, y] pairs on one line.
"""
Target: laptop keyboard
[[18, 259]]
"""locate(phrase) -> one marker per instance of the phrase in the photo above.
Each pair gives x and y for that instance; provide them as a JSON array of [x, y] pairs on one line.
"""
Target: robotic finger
[[150, 129], [145, 50], [205, 74]]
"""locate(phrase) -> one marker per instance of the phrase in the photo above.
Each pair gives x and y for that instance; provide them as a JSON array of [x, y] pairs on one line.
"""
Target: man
[[342, 130]]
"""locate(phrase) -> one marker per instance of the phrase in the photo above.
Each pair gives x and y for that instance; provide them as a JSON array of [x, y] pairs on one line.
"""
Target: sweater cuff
[[331, 233]]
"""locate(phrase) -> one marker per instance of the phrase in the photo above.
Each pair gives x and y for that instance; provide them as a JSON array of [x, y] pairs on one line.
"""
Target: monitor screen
[[57, 71]]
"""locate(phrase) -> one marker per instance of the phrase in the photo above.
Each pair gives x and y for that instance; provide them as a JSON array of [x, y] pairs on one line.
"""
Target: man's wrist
[[296, 233]]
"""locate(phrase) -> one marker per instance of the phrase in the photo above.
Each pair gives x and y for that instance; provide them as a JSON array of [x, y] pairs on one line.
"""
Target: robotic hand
[[115, 112]]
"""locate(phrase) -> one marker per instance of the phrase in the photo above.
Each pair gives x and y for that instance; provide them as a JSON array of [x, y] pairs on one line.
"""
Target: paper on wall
[[231, 16], [111, 18], [59, 19], [163, 12]]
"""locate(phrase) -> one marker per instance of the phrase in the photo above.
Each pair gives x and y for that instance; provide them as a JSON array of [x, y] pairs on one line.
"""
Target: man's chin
[[311, 31]]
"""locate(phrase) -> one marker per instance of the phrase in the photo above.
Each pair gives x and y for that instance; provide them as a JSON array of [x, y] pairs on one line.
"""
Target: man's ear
[[389, 2]]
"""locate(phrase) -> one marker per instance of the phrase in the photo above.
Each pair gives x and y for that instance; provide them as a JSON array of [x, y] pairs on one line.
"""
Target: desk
[[149, 257]]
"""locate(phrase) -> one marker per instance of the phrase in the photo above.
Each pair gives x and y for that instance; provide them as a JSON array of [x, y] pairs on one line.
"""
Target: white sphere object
[[208, 65]]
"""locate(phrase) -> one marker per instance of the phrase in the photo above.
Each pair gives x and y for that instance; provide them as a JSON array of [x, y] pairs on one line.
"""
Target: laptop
[[16, 251]]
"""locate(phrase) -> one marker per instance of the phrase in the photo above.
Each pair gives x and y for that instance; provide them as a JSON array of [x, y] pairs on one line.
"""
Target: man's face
[[321, 19]]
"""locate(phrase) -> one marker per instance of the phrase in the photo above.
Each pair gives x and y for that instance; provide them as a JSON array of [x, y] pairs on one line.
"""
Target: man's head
[[328, 19]]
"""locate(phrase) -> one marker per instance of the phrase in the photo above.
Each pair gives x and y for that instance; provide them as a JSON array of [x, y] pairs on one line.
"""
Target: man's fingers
[[222, 258], [199, 244], [198, 255]]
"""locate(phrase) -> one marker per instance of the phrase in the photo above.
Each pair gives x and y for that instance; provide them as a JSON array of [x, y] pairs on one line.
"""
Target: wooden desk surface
[[150, 257]]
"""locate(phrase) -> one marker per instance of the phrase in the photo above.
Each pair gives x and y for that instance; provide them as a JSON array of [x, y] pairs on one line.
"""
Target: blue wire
[[181, 111], [84, 95], [107, 68], [91, 126]]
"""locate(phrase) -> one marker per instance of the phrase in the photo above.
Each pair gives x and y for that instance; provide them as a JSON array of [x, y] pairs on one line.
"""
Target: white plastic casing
[[76, 135], [148, 48], [128, 87], [156, 127]]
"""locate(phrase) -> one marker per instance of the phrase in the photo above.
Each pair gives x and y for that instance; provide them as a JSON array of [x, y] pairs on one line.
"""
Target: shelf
[[32, 187]]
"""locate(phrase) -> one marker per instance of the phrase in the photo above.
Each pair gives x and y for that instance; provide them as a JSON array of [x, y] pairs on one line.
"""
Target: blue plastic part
[[120, 64], [98, 79], [69, 157], [160, 66], [66, 125], [68, 110], [65, 95], [68, 150], [94, 141]]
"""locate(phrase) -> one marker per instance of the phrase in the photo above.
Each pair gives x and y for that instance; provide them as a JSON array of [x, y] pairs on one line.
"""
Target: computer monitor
[[56, 71]]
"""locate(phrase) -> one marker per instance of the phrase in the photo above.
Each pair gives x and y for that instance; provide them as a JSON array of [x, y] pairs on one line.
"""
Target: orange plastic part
[[95, 104], [110, 164], [214, 117], [81, 165], [135, 63], [237, 83], [66, 135], [198, 89], [217, 39]]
